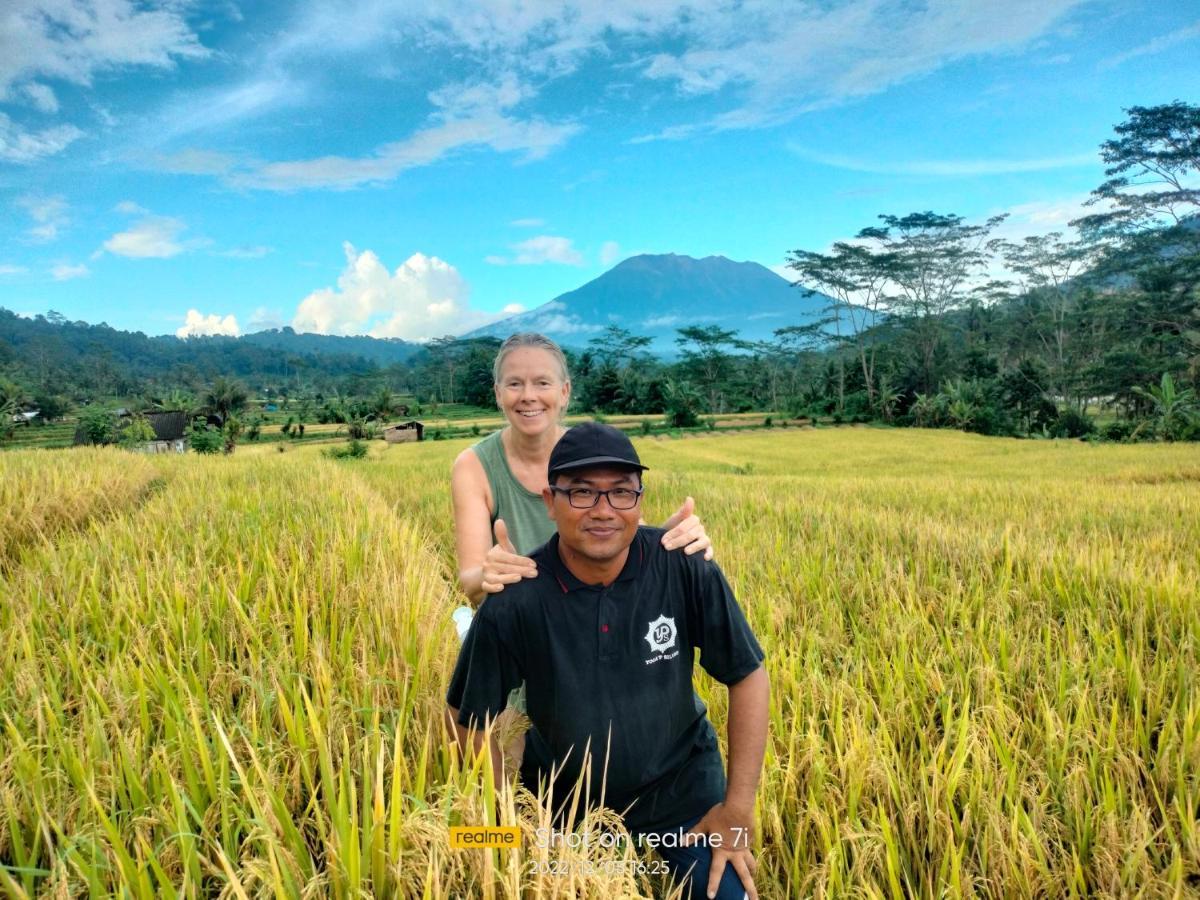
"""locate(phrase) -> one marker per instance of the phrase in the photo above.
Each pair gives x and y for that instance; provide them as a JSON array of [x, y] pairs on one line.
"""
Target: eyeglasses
[[586, 498]]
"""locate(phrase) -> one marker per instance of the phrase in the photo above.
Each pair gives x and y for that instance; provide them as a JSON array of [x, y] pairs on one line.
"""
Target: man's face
[[600, 533]]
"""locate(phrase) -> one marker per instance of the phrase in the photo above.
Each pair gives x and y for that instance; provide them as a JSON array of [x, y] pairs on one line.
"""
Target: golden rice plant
[[982, 655], [43, 493]]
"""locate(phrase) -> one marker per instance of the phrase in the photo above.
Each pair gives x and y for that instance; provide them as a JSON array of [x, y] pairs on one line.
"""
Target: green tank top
[[522, 510]]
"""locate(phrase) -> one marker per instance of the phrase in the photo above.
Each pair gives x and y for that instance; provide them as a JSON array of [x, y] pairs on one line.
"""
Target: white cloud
[[264, 318], [610, 252], [66, 272], [527, 223], [783, 272], [73, 41], [544, 248], [425, 297], [41, 96], [214, 108], [1157, 45], [196, 162], [247, 252], [198, 324], [534, 138], [6, 269], [154, 237], [772, 60], [21, 145], [513, 309], [661, 321], [556, 323], [947, 168], [129, 208], [48, 213]]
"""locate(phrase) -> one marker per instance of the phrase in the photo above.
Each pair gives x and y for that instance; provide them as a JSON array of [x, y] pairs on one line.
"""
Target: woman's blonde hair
[[530, 339]]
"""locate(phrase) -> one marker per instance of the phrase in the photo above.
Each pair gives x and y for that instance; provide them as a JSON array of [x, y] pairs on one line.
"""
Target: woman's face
[[531, 392]]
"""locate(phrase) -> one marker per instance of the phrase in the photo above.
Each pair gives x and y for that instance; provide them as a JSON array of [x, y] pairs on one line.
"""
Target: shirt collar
[[568, 582]]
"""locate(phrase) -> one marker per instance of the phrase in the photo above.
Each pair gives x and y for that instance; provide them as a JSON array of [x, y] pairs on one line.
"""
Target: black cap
[[593, 444]]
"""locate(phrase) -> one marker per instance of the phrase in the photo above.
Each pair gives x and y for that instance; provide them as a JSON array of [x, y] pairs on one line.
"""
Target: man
[[603, 638]]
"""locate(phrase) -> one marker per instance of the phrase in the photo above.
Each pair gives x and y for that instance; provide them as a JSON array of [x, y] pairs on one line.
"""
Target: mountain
[[656, 294]]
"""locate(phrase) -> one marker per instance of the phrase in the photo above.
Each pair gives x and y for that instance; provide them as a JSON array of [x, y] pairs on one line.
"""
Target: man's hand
[[684, 529], [736, 830], [503, 565]]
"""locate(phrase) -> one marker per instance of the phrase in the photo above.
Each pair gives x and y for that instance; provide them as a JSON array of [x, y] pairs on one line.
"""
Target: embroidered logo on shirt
[[661, 634]]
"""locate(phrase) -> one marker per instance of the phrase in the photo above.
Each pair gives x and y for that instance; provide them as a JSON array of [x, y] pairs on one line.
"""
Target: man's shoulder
[[676, 560], [518, 598]]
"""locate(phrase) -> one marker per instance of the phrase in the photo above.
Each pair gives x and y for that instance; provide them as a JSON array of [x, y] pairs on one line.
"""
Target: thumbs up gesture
[[503, 565], [684, 529]]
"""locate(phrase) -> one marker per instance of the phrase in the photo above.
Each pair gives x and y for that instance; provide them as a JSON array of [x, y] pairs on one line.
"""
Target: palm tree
[[225, 396], [1173, 409]]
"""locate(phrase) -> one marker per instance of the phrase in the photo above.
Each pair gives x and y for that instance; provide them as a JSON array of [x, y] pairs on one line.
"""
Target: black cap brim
[[593, 461]]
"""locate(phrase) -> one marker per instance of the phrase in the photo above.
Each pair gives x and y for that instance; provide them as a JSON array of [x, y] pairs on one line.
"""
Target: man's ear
[[548, 499]]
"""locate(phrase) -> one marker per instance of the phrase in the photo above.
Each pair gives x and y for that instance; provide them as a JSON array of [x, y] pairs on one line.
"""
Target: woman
[[497, 484]]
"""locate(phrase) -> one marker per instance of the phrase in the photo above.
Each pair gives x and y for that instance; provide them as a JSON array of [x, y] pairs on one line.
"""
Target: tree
[[855, 277], [618, 347], [1048, 271], [1173, 409], [136, 433], [1151, 166], [930, 261], [226, 396], [203, 438], [98, 425], [176, 400], [706, 360], [382, 404]]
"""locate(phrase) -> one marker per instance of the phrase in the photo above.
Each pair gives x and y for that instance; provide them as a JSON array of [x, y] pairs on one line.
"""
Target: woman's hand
[[684, 529], [503, 565]]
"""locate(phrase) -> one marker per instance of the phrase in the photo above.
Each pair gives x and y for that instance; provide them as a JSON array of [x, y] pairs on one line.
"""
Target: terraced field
[[222, 676]]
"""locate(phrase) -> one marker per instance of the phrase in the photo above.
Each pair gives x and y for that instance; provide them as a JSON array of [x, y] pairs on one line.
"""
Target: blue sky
[[413, 170]]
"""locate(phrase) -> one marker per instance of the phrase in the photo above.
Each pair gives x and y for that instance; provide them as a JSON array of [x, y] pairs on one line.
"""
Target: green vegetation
[[1095, 335]]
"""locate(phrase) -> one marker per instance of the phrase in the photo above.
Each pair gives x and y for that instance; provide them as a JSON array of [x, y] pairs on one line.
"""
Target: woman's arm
[[484, 567]]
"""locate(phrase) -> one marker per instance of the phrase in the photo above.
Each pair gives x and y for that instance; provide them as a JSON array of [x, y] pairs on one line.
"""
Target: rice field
[[223, 677]]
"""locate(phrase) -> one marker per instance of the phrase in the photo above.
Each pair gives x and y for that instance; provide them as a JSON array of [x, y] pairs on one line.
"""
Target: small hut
[[170, 432], [403, 432]]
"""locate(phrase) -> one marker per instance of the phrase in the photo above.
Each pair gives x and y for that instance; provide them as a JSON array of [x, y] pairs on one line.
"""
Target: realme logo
[[466, 838]]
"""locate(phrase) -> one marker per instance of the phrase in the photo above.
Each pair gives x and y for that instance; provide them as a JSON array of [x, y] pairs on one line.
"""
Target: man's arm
[[733, 820], [470, 741], [748, 714], [485, 674]]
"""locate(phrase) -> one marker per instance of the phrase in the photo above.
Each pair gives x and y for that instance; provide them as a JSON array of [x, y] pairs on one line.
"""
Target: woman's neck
[[531, 449]]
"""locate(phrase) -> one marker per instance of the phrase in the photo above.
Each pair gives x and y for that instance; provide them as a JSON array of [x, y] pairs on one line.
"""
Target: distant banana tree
[[1172, 409], [886, 398], [177, 400], [961, 408], [926, 411]]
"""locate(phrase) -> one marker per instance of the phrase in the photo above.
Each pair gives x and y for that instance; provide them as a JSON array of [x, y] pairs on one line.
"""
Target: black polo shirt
[[619, 657]]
